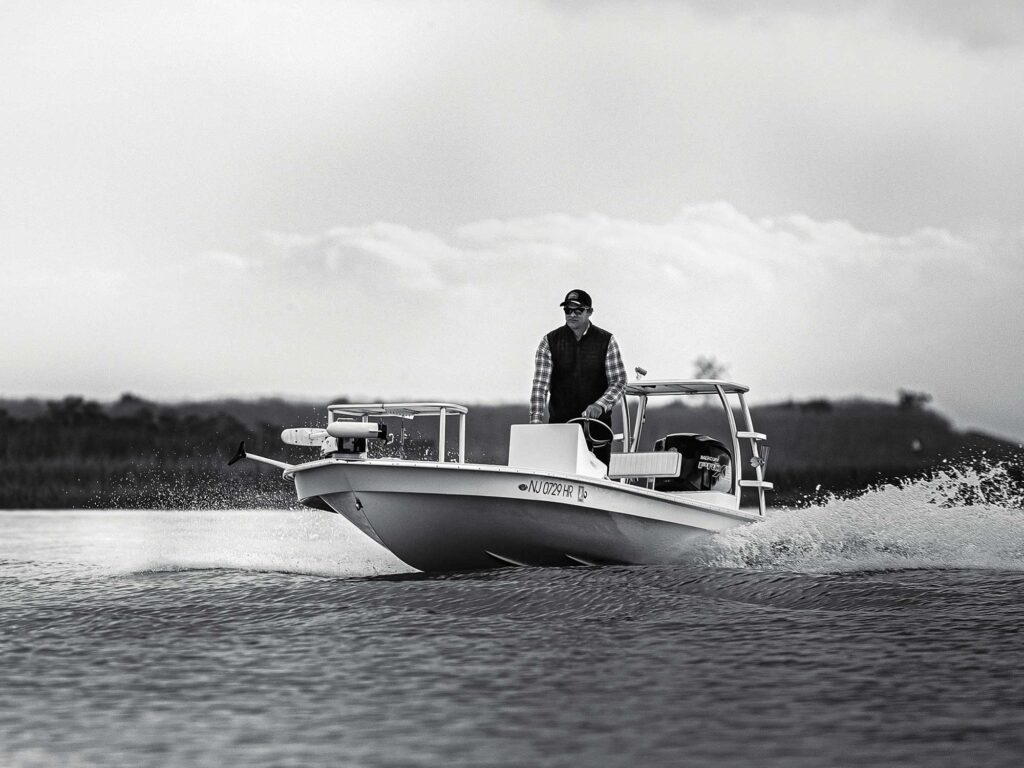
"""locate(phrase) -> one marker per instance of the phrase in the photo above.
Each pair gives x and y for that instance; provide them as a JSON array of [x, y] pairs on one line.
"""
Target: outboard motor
[[706, 464]]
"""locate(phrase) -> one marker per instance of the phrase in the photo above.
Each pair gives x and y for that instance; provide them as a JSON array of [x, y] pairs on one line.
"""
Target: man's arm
[[541, 381], [615, 371]]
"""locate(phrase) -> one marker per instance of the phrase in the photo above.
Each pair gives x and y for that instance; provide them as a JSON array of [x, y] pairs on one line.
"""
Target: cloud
[[432, 177], [796, 305], [981, 24], [209, 123]]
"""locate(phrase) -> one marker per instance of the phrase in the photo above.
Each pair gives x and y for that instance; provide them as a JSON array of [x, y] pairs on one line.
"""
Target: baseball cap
[[577, 298]]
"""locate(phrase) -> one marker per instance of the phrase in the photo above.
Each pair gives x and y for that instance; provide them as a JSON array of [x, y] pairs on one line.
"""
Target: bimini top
[[683, 387]]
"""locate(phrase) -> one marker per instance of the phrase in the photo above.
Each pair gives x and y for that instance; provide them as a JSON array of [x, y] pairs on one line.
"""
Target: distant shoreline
[[137, 454]]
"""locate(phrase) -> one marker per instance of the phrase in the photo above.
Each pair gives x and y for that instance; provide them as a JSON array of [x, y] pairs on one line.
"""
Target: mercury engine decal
[[710, 463]]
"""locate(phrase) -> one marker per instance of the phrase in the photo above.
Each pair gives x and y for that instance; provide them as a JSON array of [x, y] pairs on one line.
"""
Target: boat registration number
[[555, 489]]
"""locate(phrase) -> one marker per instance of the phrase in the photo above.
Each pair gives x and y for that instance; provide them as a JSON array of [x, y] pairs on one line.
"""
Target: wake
[[966, 517]]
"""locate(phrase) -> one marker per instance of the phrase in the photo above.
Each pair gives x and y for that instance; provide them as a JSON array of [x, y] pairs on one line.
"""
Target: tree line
[[75, 453]]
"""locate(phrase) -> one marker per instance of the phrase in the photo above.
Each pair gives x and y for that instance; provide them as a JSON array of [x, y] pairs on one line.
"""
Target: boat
[[553, 504]]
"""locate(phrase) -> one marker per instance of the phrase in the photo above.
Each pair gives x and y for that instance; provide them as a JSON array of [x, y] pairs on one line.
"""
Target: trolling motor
[[343, 439]]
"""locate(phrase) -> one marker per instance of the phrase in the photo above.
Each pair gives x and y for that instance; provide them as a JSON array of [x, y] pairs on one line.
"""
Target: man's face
[[577, 317]]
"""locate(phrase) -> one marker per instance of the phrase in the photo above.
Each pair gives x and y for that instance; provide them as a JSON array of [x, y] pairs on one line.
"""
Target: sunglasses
[[575, 311]]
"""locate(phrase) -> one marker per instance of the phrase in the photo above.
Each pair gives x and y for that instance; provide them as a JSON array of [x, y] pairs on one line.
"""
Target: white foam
[[962, 518]]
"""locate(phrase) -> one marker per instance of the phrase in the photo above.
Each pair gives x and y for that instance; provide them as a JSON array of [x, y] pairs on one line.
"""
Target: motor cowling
[[706, 464]]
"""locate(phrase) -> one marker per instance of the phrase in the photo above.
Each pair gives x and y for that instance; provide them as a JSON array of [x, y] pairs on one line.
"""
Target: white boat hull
[[448, 517]]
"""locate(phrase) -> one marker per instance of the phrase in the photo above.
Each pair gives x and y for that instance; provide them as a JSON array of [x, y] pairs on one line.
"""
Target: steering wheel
[[585, 422]]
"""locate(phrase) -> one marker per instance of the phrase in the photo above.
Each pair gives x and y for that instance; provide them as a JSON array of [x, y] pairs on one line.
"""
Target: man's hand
[[593, 411]]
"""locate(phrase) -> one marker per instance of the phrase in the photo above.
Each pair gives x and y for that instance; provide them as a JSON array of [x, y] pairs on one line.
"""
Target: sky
[[390, 199]]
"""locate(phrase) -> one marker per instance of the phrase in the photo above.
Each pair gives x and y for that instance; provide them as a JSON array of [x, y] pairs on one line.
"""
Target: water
[[884, 630]]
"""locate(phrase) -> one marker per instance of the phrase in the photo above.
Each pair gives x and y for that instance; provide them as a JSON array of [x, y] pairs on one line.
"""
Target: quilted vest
[[578, 375]]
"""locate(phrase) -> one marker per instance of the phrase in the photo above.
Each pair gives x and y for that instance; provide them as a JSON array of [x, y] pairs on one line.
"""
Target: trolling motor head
[[357, 429], [347, 439]]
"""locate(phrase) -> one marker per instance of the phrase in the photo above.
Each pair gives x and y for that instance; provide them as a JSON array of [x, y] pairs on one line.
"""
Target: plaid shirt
[[613, 369]]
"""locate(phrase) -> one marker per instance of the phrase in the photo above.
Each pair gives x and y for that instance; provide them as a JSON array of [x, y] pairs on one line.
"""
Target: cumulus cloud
[[797, 306]]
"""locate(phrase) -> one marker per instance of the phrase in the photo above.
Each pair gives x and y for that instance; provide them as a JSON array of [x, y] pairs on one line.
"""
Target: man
[[579, 365]]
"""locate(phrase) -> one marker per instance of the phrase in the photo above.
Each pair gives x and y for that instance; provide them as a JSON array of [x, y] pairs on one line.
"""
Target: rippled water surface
[[880, 631]]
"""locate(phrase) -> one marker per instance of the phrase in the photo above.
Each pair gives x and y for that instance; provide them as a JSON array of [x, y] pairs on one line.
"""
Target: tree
[[913, 401], [707, 367]]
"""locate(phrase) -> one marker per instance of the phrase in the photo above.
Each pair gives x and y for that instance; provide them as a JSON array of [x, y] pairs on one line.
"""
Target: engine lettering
[[709, 462]]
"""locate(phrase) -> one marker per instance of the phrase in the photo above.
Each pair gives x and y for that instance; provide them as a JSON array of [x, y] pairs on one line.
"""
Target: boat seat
[[651, 464]]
